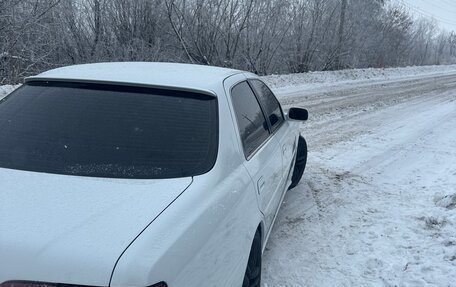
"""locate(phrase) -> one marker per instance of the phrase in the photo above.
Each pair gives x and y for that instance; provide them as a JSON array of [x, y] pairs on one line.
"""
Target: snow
[[323, 80], [376, 205], [200, 77], [6, 89]]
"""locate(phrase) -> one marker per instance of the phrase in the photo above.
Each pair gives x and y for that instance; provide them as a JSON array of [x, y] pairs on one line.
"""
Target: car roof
[[184, 76]]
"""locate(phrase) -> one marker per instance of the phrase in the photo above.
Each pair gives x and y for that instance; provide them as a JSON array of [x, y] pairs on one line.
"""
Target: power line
[[449, 3], [427, 14], [444, 6]]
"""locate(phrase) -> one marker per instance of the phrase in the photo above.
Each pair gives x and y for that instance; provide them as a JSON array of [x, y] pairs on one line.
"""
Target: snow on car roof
[[188, 76]]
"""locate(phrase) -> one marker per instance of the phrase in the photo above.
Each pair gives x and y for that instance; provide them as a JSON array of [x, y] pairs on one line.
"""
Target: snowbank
[[5, 90], [317, 80]]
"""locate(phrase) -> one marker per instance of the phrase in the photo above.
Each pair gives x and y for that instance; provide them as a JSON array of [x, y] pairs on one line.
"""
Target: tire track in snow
[[314, 251]]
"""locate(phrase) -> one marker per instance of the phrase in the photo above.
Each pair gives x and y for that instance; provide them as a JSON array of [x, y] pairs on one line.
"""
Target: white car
[[142, 174]]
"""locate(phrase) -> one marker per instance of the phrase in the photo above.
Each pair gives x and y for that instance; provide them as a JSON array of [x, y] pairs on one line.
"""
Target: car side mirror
[[298, 114]]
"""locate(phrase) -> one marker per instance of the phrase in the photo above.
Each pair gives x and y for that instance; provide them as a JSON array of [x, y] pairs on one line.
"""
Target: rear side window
[[251, 121], [269, 102], [111, 131]]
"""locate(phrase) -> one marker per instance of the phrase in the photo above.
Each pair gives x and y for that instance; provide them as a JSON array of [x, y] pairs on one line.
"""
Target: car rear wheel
[[252, 275], [301, 161]]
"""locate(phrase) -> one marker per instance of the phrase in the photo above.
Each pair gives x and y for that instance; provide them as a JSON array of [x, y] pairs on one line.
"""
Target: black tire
[[301, 161], [252, 277]]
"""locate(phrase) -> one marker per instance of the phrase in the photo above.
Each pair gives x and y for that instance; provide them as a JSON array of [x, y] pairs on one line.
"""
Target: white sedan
[[142, 174]]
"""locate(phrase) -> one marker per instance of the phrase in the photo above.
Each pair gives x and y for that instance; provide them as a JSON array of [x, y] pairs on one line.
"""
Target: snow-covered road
[[377, 204]]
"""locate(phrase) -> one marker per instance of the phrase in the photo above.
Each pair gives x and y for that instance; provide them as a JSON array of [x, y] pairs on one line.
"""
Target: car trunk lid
[[69, 229]]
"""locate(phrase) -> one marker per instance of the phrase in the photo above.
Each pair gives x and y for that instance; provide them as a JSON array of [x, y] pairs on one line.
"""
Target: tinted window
[[252, 124], [108, 131], [270, 103]]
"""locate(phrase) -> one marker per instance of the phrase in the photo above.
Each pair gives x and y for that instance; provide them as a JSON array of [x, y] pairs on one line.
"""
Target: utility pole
[[343, 15]]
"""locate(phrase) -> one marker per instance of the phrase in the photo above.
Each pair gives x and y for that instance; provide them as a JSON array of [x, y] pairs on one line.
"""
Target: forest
[[262, 36]]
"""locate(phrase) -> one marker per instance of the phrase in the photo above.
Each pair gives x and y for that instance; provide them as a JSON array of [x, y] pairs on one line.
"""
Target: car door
[[263, 156], [284, 134]]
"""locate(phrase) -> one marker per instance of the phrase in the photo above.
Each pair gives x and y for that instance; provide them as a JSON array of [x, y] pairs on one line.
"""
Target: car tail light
[[35, 284], [26, 284], [40, 284]]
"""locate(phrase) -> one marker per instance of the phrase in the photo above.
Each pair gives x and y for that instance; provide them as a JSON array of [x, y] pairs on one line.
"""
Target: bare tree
[[261, 36], [25, 46]]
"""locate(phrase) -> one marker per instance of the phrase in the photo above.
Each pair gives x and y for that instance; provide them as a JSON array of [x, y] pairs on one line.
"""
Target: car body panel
[[55, 228], [264, 167], [204, 240], [270, 165]]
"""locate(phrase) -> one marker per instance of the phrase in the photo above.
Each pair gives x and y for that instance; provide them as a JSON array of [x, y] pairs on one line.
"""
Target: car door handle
[[284, 149], [261, 185]]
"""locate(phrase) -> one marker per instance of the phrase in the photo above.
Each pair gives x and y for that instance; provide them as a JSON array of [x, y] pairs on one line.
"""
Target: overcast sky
[[444, 11]]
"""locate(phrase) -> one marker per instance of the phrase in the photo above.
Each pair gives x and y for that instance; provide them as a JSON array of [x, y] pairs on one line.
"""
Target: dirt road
[[377, 204]]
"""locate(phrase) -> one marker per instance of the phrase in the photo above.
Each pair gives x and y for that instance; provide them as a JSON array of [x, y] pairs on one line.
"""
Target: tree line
[[262, 36]]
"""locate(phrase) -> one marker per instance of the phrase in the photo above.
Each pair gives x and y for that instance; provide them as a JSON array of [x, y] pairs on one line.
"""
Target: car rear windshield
[[112, 131]]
